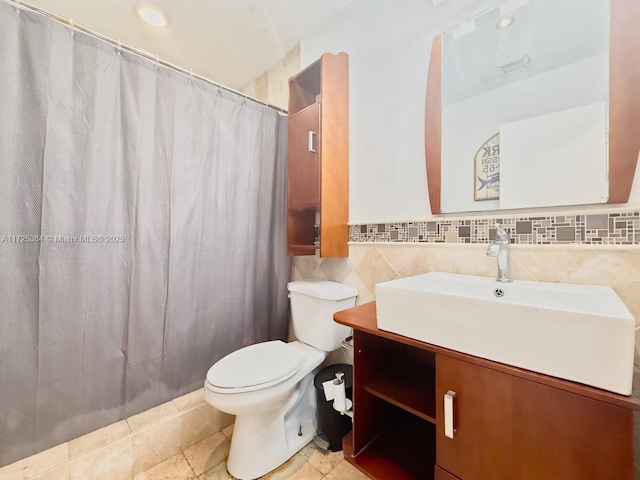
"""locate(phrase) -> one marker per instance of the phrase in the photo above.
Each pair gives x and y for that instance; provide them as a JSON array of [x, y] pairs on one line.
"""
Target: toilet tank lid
[[323, 289]]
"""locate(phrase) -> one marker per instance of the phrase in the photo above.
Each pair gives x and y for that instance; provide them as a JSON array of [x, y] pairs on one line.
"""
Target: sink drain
[[498, 292]]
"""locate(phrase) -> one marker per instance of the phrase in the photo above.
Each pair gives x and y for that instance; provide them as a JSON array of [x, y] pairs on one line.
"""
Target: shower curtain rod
[[136, 51]]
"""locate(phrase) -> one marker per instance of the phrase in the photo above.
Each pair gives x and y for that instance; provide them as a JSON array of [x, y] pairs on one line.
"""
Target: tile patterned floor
[[206, 460]]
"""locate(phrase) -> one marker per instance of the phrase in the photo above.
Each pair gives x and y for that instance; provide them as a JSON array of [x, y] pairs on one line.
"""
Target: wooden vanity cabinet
[[511, 428], [509, 423], [318, 159]]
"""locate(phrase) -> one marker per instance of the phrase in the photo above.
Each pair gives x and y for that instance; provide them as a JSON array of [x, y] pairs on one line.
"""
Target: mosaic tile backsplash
[[622, 228]]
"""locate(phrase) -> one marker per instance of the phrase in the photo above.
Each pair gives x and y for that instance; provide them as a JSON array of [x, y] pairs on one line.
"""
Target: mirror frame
[[624, 106]]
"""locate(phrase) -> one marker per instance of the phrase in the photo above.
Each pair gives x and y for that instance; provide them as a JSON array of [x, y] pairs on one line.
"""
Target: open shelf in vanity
[[394, 388], [507, 422], [389, 455], [413, 391]]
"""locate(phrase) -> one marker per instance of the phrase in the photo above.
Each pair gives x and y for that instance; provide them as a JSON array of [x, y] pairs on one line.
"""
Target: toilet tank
[[313, 303]]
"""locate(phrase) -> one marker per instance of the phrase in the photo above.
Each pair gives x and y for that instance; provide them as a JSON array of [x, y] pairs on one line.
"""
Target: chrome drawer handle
[[449, 430], [311, 148]]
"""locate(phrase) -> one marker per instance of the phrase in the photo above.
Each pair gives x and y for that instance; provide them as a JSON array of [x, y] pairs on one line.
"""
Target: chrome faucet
[[500, 249]]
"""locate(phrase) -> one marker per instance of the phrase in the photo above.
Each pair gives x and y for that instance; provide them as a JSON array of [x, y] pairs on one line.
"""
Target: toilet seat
[[255, 367]]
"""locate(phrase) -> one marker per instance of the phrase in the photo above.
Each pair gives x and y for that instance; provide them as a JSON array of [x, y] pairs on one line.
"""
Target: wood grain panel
[[441, 474], [512, 428], [563, 435], [366, 408], [303, 164], [319, 182], [624, 98], [334, 213], [482, 447], [433, 125], [301, 232]]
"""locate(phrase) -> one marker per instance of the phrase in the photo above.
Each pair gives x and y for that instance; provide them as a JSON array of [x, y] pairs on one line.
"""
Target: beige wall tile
[[323, 462], [208, 453], [190, 400], [357, 253], [250, 89], [156, 443], [37, 463], [318, 274], [612, 270], [98, 438], [153, 415], [173, 468], [550, 264], [374, 269], [262, 87], [467, 260], [113, 461], [305, 265], [295, 275], [336, 269], [401, 257], [364, 294], [202, 422], [278, 86], [292, 61], [272, 86]]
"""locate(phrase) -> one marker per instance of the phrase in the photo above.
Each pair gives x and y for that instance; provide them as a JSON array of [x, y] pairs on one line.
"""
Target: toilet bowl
[[269, 385]]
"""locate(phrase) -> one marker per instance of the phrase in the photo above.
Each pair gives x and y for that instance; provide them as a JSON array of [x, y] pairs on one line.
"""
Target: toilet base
[[263, 442]]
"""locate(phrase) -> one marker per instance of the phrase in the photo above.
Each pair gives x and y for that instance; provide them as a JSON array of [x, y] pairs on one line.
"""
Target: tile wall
[[272, 86], [596, 263], [128, 448], [615, 228]]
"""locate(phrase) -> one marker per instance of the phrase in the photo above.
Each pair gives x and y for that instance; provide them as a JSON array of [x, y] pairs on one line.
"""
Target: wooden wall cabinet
[[318, 158], [508, 423]]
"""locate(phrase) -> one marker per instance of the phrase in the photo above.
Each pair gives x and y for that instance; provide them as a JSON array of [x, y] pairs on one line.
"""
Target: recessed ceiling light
[[505, 22], [152, 14]]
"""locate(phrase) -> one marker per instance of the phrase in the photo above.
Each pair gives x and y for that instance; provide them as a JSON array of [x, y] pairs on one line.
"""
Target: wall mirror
[[534, 103]]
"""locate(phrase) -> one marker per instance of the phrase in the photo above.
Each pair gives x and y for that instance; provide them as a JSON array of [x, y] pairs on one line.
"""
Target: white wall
[[389, 45]]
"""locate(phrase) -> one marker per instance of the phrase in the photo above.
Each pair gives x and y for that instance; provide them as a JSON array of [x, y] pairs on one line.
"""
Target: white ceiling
[[229, 41]]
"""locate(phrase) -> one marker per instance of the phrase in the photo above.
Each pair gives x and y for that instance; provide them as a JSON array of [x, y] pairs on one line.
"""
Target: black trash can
[[332, 426]]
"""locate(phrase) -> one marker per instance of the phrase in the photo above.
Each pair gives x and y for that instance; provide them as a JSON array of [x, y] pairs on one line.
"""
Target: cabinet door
[[508, 428], [304, 158]]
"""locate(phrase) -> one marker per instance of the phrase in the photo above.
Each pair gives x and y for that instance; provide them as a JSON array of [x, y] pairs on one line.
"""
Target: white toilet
[[269, 385]]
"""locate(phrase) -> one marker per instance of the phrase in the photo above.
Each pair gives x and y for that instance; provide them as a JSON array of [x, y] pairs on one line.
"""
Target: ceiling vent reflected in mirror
[[512, 67]]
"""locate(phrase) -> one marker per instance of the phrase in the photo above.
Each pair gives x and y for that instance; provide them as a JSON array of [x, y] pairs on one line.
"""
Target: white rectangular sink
[[582, 333]]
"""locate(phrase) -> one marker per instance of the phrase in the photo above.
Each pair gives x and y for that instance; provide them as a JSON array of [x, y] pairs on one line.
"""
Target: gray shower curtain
[[142, 232]]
